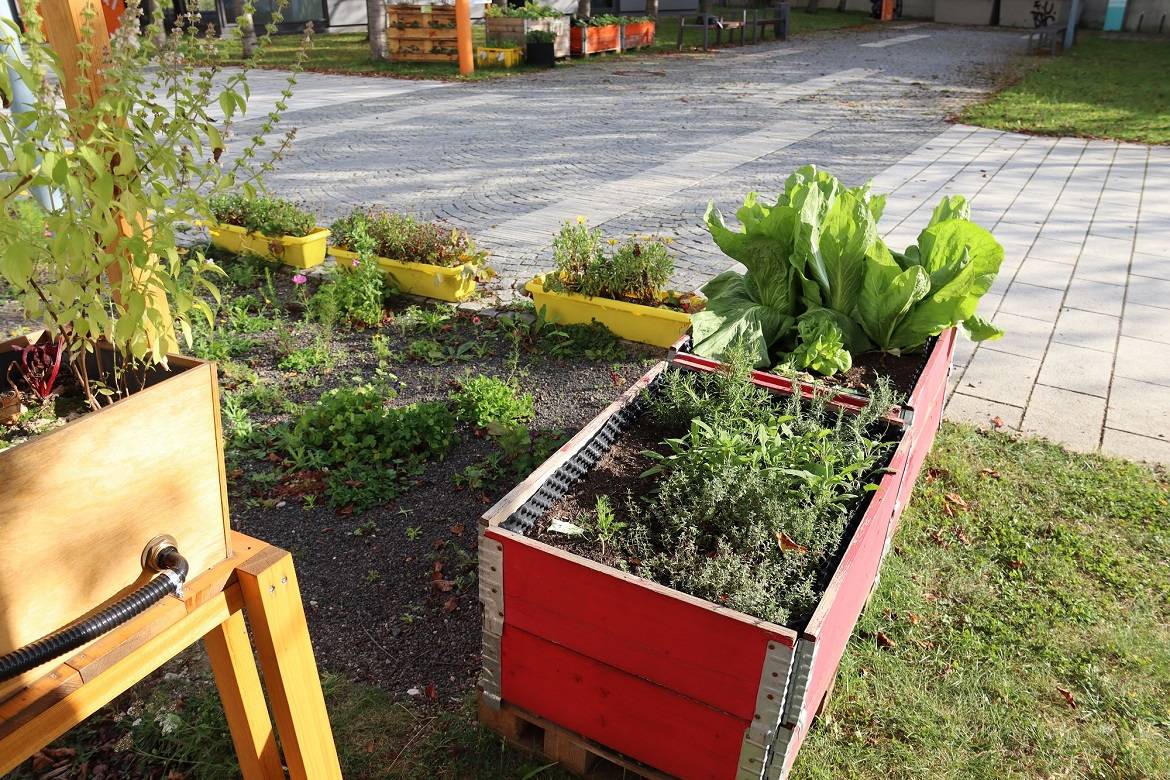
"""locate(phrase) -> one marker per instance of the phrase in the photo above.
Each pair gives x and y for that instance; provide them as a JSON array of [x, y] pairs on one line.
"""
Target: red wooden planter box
[[637, 35], [591, 40], [675, 682]]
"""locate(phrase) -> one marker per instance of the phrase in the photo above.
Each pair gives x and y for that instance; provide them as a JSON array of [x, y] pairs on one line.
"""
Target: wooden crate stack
[[421, 33]]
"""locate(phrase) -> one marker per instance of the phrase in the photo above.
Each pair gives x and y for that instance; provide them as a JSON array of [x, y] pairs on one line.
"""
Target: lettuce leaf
[[821, 344]]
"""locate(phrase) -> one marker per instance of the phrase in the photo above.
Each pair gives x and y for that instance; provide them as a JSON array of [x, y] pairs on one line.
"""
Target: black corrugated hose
[[172, 569]]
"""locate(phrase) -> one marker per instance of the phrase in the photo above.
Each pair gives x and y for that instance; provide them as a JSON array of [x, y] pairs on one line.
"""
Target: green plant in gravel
[[817, 250], [261, 214], [316, 357], [355, 292], [754, 498], [638, 270], [486, 400], [430, 320], [593, 341], [366, 443], [428, 351]]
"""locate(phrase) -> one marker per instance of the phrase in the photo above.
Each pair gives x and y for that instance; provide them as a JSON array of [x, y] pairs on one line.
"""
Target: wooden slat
[[82, 501], [646, 722], [687, 644], [230, 653], [29, 736], [277, 616]]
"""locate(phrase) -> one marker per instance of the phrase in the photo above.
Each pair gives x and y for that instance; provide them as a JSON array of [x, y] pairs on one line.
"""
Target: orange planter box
[[591, 40], [636, 35]]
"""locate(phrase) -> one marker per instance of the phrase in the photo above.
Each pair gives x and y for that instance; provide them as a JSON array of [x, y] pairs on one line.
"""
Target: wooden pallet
[[572, 752], [415, 36]]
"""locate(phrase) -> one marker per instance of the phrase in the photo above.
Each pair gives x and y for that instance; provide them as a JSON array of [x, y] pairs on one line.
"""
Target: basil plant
[[822, 286]]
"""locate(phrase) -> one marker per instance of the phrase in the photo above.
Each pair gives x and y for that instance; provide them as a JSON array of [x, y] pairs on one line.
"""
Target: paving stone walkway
[[641, 144], [1084, 291]]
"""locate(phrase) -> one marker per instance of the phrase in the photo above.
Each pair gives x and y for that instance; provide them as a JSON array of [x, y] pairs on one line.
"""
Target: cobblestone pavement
[[641, 144], [636, 144]]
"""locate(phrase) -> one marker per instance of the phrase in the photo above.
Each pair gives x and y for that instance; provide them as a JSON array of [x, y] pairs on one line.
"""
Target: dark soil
[[375, 611], [902, 371], [617, 475]]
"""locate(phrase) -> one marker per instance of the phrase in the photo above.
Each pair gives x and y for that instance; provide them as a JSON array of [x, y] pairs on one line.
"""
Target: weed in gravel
[[486, 400], [317, 357], [571, 342]]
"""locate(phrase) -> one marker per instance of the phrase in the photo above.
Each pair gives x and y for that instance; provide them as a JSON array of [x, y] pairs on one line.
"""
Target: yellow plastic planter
[[297, 251], [654, 325], [490, 56], [431, 281]]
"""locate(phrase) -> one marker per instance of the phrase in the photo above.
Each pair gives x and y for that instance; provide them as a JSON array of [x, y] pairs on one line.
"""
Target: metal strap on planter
[[558, 483], [759, 737], [806, 652], [491, 595]]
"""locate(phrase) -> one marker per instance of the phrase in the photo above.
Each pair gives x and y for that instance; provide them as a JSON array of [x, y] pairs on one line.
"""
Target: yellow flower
[[613, 242], [580, 220]]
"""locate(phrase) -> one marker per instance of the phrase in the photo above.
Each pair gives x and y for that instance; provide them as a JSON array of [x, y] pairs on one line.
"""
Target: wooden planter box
[[637, 35], [654, 325], [413, 35], [505, 28], [621, 667], [593, 40], [82, 501], [456, 283], [296, 251]]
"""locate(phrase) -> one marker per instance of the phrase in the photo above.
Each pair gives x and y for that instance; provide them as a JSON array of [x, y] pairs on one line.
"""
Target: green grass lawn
[[1023, 633], [349, 52], [1101, 88]]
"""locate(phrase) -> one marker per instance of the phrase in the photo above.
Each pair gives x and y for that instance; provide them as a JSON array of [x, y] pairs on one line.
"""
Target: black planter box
[[542, 55]]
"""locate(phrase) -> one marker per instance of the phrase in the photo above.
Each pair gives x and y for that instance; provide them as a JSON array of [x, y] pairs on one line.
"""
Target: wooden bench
[[1048, 37], [778, 21], [717, 24]]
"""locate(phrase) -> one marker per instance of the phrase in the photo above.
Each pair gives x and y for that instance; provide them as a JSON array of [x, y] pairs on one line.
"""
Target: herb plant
[[817, 250], [638, 270], [540, 36], [406, 239], [530, 10], [273, 217], [753, 499]]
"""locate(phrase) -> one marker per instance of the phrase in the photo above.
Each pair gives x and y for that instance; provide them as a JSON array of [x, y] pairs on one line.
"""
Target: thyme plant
[[125, 165]]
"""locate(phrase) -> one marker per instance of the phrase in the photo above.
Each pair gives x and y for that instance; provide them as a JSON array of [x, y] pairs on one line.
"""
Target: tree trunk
[[584, 9], [652, 9], [376, 28], [247, 34]]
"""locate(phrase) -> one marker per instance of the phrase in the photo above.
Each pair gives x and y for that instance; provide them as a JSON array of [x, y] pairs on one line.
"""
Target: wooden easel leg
[[230, 652], [273, 602]]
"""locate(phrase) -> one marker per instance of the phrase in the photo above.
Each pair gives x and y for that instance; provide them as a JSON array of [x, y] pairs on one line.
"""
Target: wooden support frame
[[257, 580]]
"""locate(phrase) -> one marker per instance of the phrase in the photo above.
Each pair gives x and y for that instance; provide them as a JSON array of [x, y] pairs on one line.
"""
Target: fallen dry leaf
[[997, 421], [450, 604], [457, 529], [912, 618], [948, 510], [443, 586], [1068, 697], [956, 499], [885, 641], [961, 535], [989, 473], [432, 692], [786, 544]]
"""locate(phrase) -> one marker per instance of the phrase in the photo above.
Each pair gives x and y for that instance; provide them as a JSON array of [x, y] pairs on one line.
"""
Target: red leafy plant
[[39, 364]]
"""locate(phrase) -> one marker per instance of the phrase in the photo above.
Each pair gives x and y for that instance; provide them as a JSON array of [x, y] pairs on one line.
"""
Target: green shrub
[[485, 400], [530, 10], [402, 237], [363, 485], [637, 270], [270, 216], [350, 424]]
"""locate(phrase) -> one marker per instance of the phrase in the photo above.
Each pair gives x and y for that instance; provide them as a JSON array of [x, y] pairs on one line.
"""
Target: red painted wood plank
[[705, 652], [646, 722], [832, 623]]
